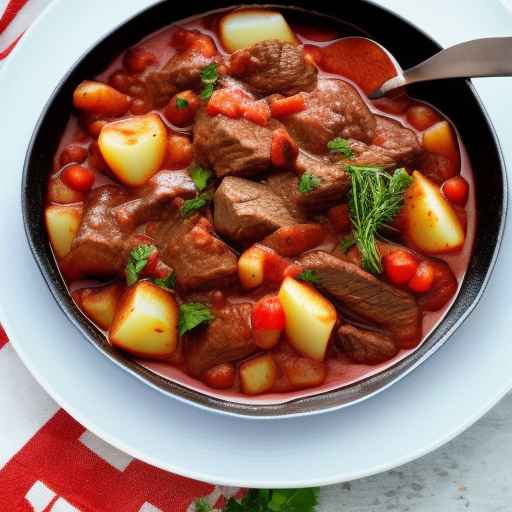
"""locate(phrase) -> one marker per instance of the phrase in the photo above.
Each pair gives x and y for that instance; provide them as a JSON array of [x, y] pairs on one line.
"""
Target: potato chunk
[[134, 148], [99, 98], [258, 375], [59, 192], [243, 28], [99, 303], [310, 318], [62, 223], [430, 222], [251, 267], [145, 322]]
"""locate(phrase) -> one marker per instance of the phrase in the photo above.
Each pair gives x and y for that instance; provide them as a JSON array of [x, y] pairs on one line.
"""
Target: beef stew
[[194, 210]]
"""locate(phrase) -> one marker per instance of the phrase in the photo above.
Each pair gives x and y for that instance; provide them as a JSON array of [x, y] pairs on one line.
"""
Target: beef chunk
[[182, 71], [333, 109], [392, 146], [333, 186], [153, 199], [366, 295], [199, 258], [246, 211], [274, 66], [436, 167], [100, 247], [231, 146], [366, 347], [285, 185], [227, 338]]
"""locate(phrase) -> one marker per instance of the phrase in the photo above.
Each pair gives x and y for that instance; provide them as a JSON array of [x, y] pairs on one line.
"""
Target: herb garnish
[[138, 260], [181, 103], [192, 315], [347, 242], [268, 500], [209, 77], [309, 276], [376, 197], [200, 177], [308, 183], [168, 282], [190, 206], [339, 145]]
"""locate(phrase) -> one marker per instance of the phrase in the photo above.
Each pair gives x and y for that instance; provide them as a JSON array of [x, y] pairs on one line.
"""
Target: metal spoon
[[491, 56]]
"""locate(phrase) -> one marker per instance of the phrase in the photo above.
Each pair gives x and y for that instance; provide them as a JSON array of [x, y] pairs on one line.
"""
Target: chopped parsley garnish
[[375, 198], [190, 206], [168, 282], [347, 242], [192, 315], [308, 183], [268, 500], [200, 177], [138, 260], [181, 103], [339, 145], [309, 276], [209, 77]]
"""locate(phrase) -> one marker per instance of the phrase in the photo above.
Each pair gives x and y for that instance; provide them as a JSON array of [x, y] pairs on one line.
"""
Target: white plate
[[434, 403]]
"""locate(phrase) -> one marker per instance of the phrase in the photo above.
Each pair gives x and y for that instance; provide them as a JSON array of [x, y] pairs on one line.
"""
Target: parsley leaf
[[168, 282], [192, 205], [192, 315], [201, 505], [181, 103], [375, 198], [200, 177], [309, 276], [339, 145], [209, 77], [347, 243], [138, 260], [308, 183], [277, 500]]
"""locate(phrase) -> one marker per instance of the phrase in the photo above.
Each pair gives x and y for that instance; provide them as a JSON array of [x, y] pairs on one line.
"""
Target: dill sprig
[[376, 197]]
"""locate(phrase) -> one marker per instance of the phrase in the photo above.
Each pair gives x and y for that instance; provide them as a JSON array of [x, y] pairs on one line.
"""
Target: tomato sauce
[[366, 67]]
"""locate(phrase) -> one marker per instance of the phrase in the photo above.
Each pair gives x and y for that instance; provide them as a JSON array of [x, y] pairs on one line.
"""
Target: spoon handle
[[490, 56]]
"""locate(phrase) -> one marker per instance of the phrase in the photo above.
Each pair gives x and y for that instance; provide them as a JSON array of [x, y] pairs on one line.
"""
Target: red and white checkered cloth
[[48, 461]]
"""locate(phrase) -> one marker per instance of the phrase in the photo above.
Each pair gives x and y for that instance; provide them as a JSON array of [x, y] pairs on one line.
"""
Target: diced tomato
[[151, 265], [194, 40], [136, 60], [287, 106], [267, 321], [221, 376], [400, 267], [257, 112], [226, 102], [73, 153], [392, 105], [339, 217], [294, 240], [456, 190], [422, 116], [274, 266], [179, 152], [443, 287], [423, 278], [284, 150], [182, 108], [78, 178]]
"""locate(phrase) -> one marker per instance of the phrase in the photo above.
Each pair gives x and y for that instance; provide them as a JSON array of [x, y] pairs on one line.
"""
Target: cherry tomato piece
[[78, 178], [456, 190], [73, 153], [221, 376], [267, 321], [399, 267], [422, 280], [182, 108]]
